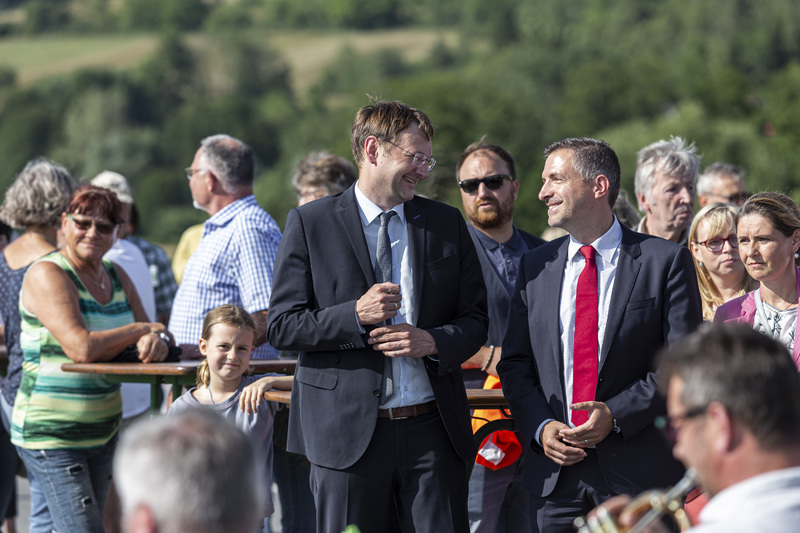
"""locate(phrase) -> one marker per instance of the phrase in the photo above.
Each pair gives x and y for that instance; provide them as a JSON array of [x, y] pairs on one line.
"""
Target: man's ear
[[643, 202], [601, 186], [371, 146]]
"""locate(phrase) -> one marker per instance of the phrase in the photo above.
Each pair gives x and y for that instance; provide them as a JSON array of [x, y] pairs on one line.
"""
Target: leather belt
[[409, 411]]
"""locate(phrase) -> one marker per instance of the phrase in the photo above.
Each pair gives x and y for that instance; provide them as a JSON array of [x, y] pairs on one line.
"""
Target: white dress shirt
[[606, 257], [411, 383]]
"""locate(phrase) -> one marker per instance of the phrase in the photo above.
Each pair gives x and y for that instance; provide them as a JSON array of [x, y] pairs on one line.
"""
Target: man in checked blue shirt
[[233, 263]]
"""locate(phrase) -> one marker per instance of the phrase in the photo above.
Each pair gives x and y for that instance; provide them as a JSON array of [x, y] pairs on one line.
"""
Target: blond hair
[[230, 315], [719, 219]]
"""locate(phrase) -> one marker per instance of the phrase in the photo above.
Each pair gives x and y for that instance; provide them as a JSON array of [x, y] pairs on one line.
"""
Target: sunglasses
[[86, 225], [492, 183]]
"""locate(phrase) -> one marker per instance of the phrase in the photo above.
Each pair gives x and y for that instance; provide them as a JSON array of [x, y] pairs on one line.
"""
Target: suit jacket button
[[376, 392]]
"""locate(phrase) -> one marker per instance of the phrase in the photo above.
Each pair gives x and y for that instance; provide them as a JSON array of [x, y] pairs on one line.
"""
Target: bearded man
[[488, 181]]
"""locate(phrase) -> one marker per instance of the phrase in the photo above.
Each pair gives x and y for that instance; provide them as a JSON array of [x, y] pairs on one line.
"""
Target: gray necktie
[[383, 274]]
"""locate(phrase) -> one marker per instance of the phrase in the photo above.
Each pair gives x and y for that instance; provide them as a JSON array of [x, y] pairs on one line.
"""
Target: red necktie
[[584, 353]]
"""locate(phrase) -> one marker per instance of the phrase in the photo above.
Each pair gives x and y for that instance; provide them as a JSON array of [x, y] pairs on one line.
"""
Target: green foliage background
[[723, 74]]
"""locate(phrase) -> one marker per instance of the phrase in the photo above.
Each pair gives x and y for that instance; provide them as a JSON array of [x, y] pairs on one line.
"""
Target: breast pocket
[[647, 303], [321, 379]]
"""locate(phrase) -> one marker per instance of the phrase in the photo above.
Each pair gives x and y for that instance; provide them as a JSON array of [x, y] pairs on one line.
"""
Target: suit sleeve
[[295, 321], [636, 406], [517, 368], [465, 333]]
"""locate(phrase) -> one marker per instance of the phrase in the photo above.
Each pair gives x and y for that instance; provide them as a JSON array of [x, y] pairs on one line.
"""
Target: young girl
[[228, 336]]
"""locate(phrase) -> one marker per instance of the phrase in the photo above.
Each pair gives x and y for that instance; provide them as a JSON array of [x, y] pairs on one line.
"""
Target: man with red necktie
[[589, 313]]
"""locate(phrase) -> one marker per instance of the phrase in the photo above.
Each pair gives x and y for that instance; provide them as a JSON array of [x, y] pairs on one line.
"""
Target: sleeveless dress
[[56, 409], [10, 284]]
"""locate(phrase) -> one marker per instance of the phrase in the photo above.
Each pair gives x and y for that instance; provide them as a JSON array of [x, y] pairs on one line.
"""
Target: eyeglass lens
[[491, 182], [716, 244]]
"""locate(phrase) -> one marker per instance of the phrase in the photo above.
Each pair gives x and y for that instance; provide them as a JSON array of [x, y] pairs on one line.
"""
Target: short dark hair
[[751, 374], [592, 157], [483, 146], [229, 159], [385, 120]]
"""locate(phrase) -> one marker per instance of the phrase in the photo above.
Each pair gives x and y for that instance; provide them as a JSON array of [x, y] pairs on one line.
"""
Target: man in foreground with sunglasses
[[733, 404], [487, 176]]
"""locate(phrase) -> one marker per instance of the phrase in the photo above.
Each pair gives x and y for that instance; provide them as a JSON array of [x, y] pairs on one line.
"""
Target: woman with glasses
[[768, 228], [721, 275], [76, 306]]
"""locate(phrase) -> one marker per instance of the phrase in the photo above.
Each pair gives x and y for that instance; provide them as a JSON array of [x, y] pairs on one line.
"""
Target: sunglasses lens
[[104, 228], [494, 182], [470, 186]]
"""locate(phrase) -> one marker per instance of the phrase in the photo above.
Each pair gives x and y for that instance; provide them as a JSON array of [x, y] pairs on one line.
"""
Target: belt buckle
[[391, 414]]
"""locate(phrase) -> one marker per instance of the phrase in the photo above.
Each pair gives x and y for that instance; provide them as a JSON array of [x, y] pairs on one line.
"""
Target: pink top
[[743, 309]]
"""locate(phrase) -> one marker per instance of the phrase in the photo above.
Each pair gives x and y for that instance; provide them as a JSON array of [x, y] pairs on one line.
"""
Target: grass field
[[37, 58]]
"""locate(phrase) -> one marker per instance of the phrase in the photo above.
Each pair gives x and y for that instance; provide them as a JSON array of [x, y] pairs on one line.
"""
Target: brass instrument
[[660, 503]]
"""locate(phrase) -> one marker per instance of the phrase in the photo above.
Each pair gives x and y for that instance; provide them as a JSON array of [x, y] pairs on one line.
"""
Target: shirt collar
[[515, 243], [230, 211], [606, 245], [369, 211]]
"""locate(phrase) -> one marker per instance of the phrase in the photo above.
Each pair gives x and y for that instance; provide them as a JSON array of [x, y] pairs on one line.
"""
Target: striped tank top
[[56, 409]]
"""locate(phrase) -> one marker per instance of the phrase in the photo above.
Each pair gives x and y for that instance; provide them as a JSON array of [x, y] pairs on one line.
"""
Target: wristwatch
[[615, 427], [164, 337]]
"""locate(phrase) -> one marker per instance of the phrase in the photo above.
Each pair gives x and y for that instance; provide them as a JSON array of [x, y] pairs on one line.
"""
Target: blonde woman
[[721, 275]]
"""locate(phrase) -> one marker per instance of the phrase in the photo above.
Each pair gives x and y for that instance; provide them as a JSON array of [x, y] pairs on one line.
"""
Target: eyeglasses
[[492, 183], [736, 198], [669, 424], [716, 244], [190, 172], [419, 158], [86, 225]]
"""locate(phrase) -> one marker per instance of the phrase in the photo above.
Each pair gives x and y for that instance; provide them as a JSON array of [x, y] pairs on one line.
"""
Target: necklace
[[210, 396], [102, 283]]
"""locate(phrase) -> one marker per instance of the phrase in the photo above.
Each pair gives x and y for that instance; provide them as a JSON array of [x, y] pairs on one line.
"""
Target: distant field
[[38, 58]]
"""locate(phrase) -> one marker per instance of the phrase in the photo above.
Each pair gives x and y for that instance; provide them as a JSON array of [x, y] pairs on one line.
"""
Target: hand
[[152, 348], [253, 394], [594, 430], [560, 452], [190, 351], [402, 340], [615, 508], [379, 303]]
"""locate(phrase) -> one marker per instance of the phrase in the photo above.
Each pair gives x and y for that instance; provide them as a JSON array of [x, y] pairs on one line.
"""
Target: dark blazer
[[322, 268], [655, 302]]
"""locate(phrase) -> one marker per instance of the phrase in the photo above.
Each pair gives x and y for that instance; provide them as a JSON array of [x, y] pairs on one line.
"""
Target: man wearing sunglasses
[[487, 177], [589, 312], [733, 403]]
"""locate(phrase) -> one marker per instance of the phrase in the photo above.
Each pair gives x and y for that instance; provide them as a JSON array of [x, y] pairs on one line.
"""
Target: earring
[[701, 263], [796, 255]]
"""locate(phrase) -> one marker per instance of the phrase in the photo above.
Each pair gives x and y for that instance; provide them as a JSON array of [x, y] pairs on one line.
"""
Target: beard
[[497, 215]]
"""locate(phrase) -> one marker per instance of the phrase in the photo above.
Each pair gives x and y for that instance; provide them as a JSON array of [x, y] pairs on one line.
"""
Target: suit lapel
[[348, 215], [628, 266], [551, 302], [417, 242]]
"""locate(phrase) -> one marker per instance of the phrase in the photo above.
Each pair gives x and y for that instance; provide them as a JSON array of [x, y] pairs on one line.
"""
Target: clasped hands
[[382, 302], [565, 445]]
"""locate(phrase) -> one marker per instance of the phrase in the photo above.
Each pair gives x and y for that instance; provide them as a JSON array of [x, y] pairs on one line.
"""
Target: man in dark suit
[[487, 177], [378, 404], [589, 312]]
